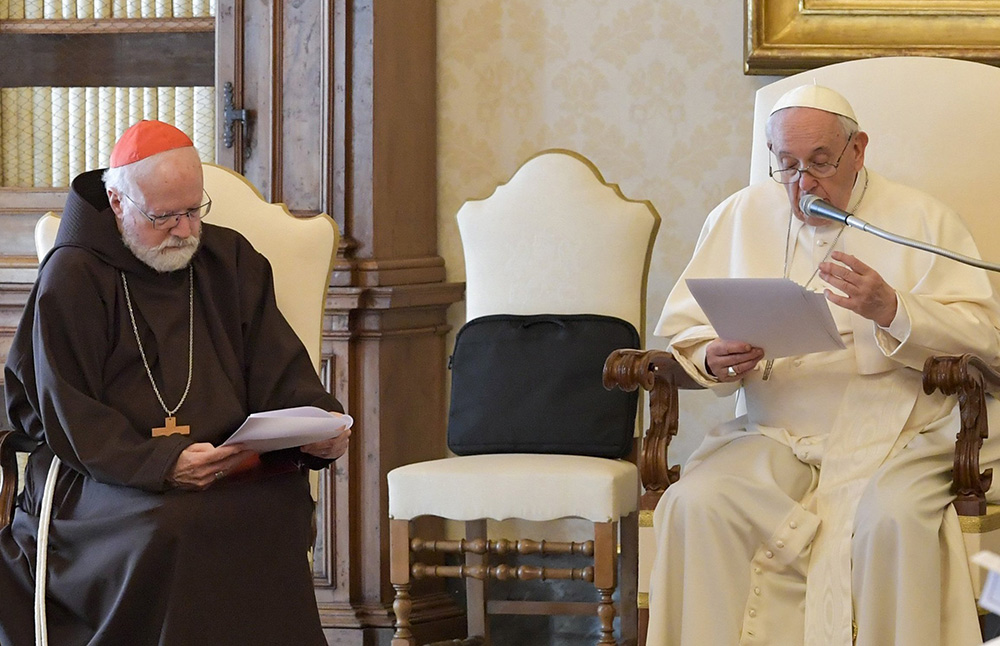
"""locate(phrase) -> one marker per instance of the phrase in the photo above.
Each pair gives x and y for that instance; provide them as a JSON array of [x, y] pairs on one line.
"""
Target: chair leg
[[399, 576], [476, 589], [605, 576], [629, 582]]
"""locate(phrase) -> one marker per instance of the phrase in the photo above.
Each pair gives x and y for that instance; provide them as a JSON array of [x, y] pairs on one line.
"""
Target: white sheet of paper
[[282, 429], [775, 314], [989, 598]]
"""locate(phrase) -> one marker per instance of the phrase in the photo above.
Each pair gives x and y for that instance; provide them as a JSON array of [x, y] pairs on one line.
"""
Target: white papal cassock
[[837, 468]]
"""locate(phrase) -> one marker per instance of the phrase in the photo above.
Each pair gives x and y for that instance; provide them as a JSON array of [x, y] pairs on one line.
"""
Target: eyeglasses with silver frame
[[821, 170], [170, 220]]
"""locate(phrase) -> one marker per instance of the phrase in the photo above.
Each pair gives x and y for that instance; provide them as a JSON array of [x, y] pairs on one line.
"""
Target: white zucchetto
[[818, 97]]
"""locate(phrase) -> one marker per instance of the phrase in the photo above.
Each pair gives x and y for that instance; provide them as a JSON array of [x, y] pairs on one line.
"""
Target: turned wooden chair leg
[[476, 589], [628, 583], [606, 577], [399, 576]]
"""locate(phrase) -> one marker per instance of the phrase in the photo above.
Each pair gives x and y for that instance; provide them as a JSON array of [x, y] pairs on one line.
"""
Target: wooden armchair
[[933, 126]]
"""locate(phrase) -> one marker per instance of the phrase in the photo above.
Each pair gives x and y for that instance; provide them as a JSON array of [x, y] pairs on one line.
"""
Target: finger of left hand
[[864, 290], [329, 449], [853, 277]]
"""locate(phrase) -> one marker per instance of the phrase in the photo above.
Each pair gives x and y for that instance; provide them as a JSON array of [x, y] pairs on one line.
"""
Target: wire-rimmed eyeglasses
[[170, 220], [819, 171]]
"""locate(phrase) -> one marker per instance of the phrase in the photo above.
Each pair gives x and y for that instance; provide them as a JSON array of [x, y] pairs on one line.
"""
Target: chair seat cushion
[[515, 485]]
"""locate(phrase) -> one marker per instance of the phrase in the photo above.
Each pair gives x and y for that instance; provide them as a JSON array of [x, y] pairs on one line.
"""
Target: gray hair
[[848, 125], [125, 179]]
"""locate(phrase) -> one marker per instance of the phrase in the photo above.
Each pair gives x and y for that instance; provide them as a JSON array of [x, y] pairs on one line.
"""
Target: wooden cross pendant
[[170, 427]]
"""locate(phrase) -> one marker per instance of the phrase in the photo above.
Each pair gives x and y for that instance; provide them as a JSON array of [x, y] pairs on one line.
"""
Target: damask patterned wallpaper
[[651, 91]]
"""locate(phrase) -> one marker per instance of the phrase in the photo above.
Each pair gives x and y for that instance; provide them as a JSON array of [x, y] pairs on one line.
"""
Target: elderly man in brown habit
[[148, 338]]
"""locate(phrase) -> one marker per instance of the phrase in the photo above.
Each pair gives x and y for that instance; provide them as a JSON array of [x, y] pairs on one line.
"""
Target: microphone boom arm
[[815, 206], [852, 221]]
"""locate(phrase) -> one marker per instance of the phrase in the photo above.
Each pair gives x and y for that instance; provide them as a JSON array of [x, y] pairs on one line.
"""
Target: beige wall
[[651, 91]]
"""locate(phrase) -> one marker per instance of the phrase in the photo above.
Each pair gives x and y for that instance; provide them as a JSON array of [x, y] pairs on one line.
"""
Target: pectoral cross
[[170, 427]]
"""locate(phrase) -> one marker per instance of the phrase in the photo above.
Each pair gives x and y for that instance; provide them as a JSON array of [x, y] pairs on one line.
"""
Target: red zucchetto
[[145, 139]]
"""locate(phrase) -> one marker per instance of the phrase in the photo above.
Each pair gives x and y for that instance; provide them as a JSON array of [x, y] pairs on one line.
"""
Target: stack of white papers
[[775, 314], [989, 598], [283, 429]]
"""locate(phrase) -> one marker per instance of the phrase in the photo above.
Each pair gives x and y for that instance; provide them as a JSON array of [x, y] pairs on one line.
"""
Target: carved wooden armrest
[[971, 379], [8, 476], [658, 372], [11, 443]]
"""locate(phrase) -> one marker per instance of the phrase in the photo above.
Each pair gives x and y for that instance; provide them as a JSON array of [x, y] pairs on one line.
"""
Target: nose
[[806, 182], [185, 227]]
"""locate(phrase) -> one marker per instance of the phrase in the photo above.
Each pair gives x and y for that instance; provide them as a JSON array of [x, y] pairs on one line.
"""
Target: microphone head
[[816, 207], [806, 200]]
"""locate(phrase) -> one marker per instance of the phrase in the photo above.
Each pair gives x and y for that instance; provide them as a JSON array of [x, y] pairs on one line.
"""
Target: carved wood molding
[[503, 572], [502, 546], [970, 378], [659, 373]]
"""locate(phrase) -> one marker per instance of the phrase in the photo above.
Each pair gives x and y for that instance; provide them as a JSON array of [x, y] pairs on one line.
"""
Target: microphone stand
[[814, 206], [852, 221]]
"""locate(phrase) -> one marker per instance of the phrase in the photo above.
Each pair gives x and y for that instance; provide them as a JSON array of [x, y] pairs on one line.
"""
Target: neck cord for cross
[[789, 244], [145, 362]]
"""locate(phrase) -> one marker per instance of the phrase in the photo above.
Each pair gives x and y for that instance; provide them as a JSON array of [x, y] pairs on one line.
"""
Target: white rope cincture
[[41, 554]]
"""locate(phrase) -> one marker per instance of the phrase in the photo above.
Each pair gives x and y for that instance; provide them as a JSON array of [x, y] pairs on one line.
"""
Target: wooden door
[[340, 101]]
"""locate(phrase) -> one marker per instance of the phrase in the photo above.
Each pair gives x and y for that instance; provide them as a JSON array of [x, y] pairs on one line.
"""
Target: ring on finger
[[731, 371]]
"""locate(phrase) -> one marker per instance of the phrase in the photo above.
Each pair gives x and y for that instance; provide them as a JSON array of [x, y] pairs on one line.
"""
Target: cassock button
[[793, 525], [756, 591], [752, 613], [769, 554], [757, 570], [779, 544]]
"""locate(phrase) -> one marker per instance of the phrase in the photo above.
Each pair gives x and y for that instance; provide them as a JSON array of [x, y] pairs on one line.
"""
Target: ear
[[860, 144], [115, 200]]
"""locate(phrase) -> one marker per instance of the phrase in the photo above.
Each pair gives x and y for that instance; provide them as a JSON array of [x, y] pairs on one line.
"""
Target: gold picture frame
[[789, 36]]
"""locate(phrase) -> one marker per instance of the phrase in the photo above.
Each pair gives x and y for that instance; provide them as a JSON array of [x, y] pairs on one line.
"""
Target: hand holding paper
[[775, 314], [289, 427]]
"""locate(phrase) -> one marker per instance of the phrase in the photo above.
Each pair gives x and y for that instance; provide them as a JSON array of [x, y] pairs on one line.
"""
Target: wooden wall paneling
[[394, 341], [336, 22], [20, 208], [405, 169], [229, 40], [109, 59], [342, 94], [393, 175], [261, 94], [304, 72]]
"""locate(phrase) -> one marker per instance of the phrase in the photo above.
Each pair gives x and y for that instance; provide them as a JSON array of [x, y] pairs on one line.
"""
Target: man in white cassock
[[822, 510]]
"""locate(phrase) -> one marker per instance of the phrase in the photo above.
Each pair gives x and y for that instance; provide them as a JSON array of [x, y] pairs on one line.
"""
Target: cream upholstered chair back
[[300, 250], [557, 239], [45, 234], [934, 124]]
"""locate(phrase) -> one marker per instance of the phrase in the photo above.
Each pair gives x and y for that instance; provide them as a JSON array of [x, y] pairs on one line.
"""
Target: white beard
[[170, 255]]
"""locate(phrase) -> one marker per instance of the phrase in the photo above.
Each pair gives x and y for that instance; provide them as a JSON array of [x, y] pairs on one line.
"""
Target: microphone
[[817, 207]]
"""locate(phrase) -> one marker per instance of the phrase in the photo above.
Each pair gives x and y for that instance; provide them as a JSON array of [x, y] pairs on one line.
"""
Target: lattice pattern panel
[[104, 9], [49, 135]]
